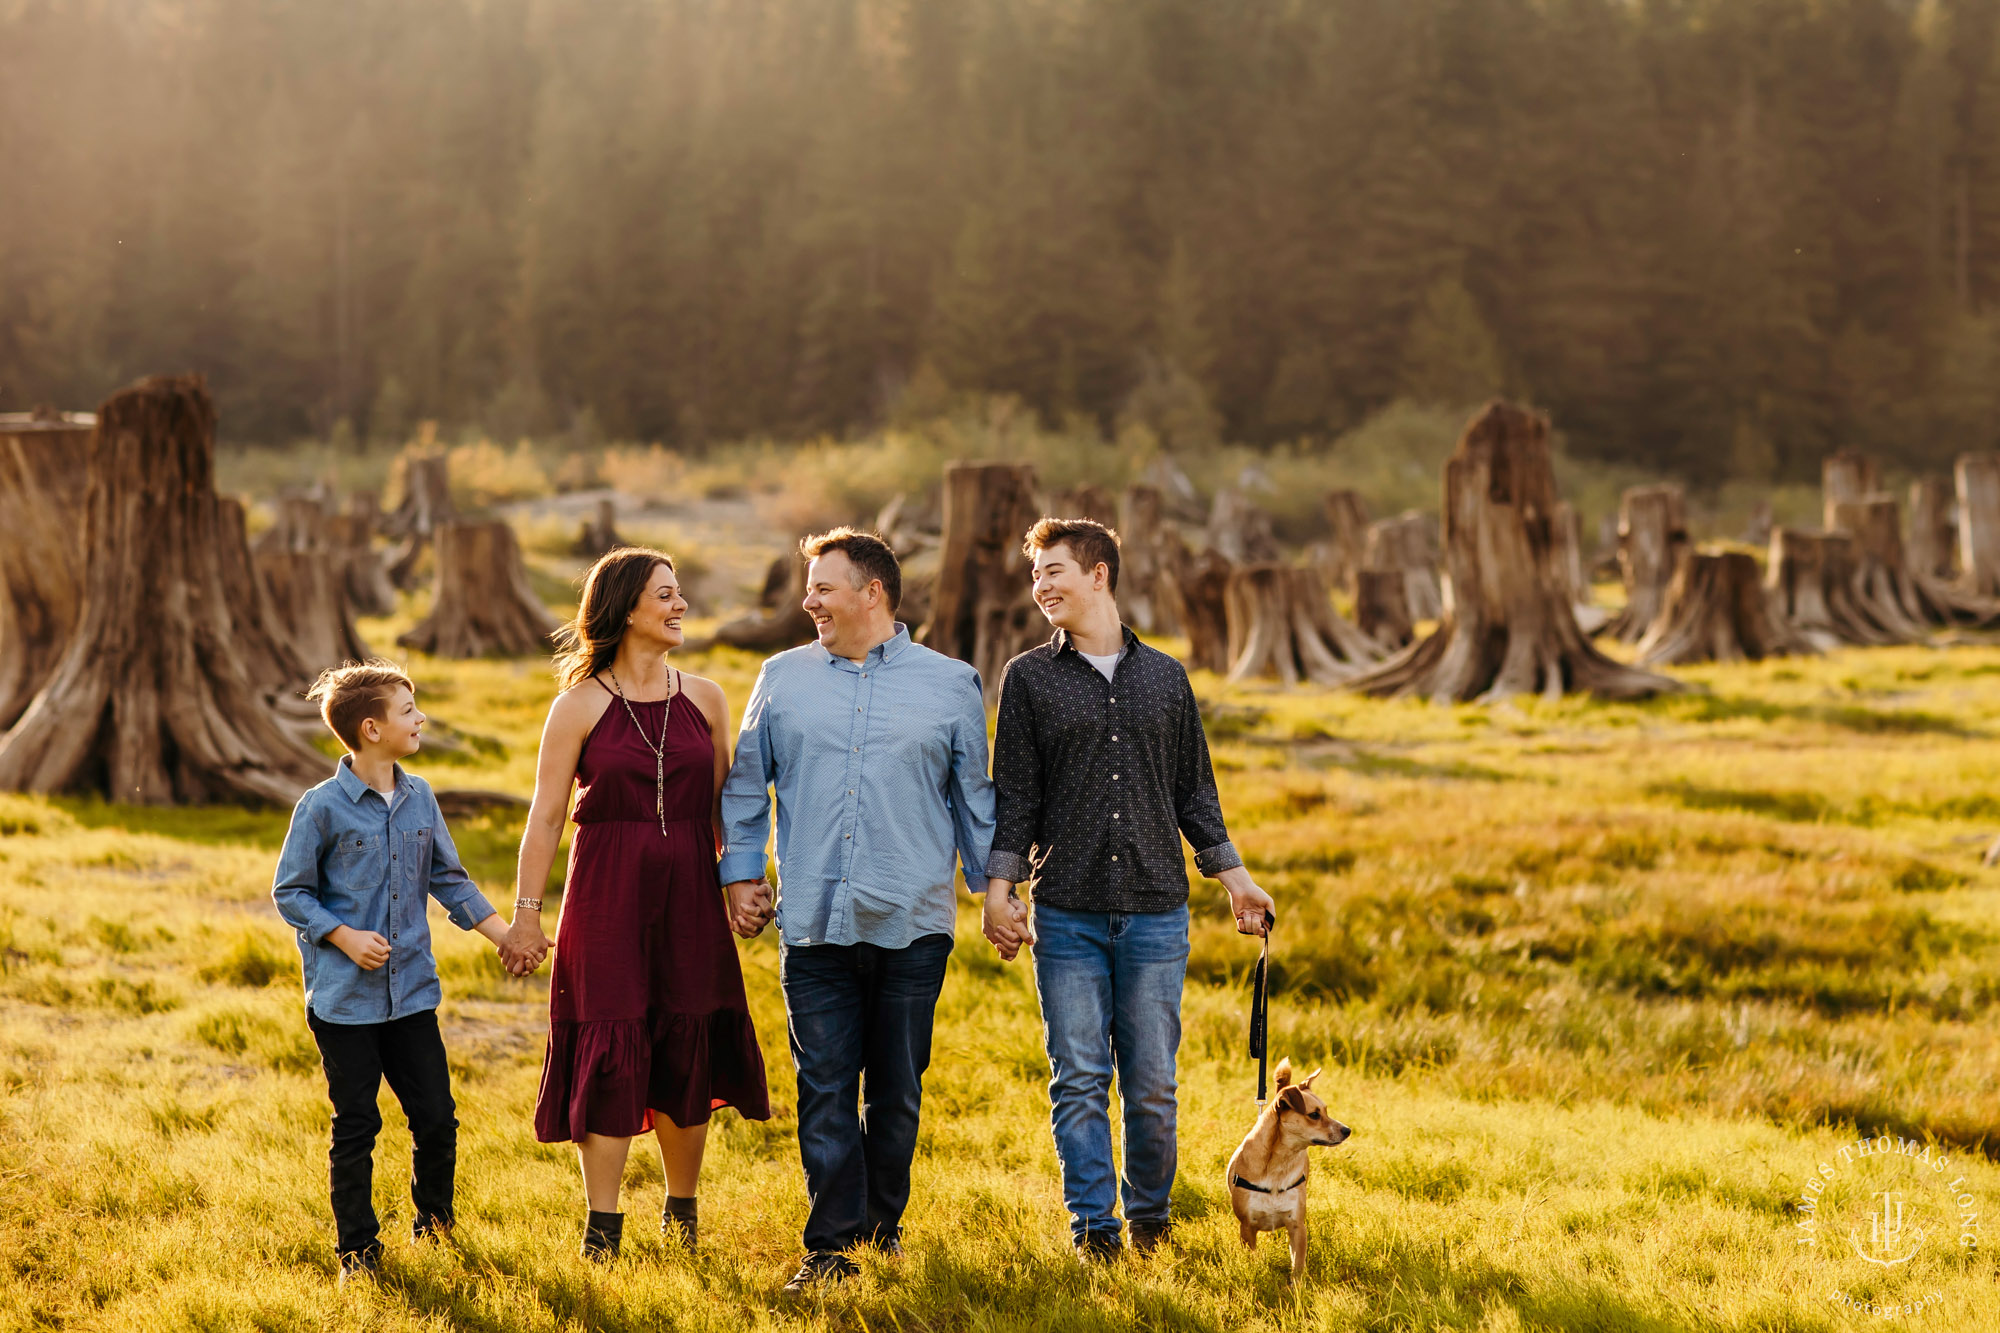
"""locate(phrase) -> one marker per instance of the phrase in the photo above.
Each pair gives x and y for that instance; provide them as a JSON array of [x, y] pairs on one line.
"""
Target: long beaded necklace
[[660, 750]]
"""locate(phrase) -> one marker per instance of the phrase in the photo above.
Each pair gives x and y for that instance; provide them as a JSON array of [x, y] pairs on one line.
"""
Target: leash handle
[[1260, 1011]]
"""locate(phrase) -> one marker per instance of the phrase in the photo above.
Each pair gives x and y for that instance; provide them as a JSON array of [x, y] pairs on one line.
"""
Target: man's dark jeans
[[860, 1022], [410, 1054]]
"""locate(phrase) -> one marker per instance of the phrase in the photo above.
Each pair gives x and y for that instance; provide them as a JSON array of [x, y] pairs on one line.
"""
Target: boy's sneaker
[[1099, 1247], [361, 1265], [827, 1266], [1149, 1236]]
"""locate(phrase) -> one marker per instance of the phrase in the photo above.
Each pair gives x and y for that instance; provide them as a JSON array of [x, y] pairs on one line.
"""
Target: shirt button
[[857, 708], [847, 835], [1114, 698], [1114, 777], [1114, 814], [1114, 856]]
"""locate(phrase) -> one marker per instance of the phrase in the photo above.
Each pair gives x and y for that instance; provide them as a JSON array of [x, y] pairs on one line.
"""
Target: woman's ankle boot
[[601, 1234], [678, 1221]]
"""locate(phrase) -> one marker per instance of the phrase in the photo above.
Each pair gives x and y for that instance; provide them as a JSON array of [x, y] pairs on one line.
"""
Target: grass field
[[1597, 988]]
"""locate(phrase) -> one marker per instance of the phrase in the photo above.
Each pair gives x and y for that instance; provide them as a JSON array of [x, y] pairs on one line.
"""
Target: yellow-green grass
[[1597, 986]]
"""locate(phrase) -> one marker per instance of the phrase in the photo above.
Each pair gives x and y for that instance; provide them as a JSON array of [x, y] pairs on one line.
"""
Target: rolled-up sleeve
[[449, 882], [1017, 782], [746, 793], [296, 886], [1197, 804], [971, 790]]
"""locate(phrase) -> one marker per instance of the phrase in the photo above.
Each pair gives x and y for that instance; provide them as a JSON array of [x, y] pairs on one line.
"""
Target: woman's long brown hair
[[611, 589]]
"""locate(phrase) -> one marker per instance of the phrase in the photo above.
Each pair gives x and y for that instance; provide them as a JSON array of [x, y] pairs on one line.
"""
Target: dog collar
[[1266, 1189]]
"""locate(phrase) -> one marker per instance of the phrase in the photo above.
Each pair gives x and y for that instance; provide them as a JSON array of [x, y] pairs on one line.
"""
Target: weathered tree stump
[[482, 606], [1844, 476], [1240, 531], [276, 669], [1197, 587], [1408, 544], [1977, 477], [426, 506], [1508, 627], [1281, 623], [1883, 589], [1142, 598], [1382, 608], [1344, 553], [1933, 530], [43, 465], [1652, 533], [1718, 611], [599, 533], [1566, 526], [1091, 502], [982, 610], [781, 622], [309, 599], [1811, 576], [152, 701], [352, 537]]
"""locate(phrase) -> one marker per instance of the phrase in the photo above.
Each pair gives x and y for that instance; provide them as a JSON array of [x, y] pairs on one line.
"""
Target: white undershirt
[[1104, 662]]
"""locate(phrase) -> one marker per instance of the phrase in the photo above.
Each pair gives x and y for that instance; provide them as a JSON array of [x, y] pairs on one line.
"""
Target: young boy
[[367, 847]]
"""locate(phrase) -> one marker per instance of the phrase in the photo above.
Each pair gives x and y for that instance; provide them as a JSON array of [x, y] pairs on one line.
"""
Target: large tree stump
[[599, 533], [1718, 611], [1933, 544], [982, 609], [1508, 627], [1382, 608], [482, 606], [1883, 589], [781, 621], [425, 507], [1344, 553], [1652, 533], [352, 538], [1091, 502], [1977, 477], [1566, 526], [1239, 530], [1811, 576], [1142, 599], [1281, 623], [1408, 544], [276, 668], [152, 701], [43, 465], [1844, 476], [1197, 586], [309, 598]]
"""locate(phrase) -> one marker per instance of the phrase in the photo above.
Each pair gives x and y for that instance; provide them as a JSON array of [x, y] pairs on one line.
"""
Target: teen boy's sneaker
[[361, 1265], [431, 1228], [827, 1266], [1149, 1236], [1099, 1247]]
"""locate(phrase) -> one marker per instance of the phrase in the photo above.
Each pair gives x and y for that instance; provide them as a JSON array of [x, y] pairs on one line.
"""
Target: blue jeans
[[1110, 986], [860, 1023]]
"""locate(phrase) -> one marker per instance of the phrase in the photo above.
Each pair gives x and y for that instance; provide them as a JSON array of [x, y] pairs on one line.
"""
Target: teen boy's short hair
[[1089, 541], [354, 692], [872, 557]]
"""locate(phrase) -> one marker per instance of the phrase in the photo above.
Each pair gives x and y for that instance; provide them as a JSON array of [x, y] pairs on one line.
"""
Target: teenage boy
[[367, 848], [876, 747], [1100, 767]]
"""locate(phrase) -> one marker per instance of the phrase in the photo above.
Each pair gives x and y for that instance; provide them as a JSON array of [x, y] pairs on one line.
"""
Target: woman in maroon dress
[[648, 1026]]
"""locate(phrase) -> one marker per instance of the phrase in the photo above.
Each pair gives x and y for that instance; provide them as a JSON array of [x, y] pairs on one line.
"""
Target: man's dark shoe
[[827, 1266], [602, 1233], [1099, 1247], [678, 1222], [361, 1265], [1149, 1236], [888, 1242], [431, 1228]]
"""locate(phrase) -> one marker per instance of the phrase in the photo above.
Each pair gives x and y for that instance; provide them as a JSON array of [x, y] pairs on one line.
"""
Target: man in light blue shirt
[[876, 747]]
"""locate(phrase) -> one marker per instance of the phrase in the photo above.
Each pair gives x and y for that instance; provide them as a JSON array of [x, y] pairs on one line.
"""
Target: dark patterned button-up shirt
[[1098, 780]]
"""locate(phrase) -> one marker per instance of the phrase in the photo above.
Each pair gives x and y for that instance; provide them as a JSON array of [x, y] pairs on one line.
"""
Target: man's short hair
[[352, 693], [871, 556], [1089, 541]]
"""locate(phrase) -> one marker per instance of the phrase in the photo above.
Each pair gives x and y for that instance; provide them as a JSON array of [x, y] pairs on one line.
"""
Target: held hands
[[750, 906], [368, 950], [1004, 920], [523, 947]]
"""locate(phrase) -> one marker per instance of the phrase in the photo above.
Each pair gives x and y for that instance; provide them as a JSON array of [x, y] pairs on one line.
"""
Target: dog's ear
[[1284, 1071], [1309, 1079], [1292, 1099]]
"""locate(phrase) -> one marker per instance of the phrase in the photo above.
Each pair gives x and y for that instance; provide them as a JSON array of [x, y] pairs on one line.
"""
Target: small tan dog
[[1267, 1176]]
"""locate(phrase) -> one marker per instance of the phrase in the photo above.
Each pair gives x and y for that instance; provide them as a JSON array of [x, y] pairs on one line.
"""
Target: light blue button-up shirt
[[880, 772], [354, 857]]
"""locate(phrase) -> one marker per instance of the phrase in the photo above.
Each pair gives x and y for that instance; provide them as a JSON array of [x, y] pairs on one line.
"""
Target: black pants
[[861, 1031], [410, 1054]]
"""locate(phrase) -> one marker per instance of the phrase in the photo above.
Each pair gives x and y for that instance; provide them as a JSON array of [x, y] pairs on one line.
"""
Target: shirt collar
[[1061, 642], [886, 651], [351, 782]]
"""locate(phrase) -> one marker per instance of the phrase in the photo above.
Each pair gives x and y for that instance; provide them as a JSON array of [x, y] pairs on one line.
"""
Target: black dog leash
[[1260, 1011]]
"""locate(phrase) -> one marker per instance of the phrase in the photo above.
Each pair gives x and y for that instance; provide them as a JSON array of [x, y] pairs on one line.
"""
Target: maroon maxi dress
[[646, 1010]]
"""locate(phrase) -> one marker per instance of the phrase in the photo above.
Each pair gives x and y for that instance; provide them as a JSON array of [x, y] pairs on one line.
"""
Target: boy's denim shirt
[[354, 857]]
